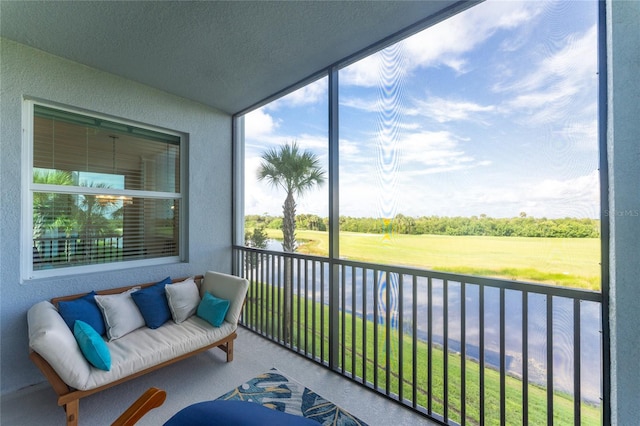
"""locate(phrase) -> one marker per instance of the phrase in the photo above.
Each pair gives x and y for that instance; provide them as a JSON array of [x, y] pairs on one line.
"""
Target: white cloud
[[364, 73], [553, 198], [367, 105], [382, 182], [557, 82], [349, 150], [446, 43], [310, 94], [445, 110], [575, 62], [578, 188], [581, 134], [434, 152], [259, 196], [259, 123], [553, 94]]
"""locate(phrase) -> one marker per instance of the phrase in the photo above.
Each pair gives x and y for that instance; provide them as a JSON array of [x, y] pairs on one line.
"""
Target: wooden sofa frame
[[69, 398]]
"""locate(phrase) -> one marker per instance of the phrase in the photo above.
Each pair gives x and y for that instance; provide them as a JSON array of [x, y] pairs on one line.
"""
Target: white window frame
[[28, 188]]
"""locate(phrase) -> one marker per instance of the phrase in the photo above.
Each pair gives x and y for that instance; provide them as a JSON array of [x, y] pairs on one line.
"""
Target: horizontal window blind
[[52, 114], [103, 191]]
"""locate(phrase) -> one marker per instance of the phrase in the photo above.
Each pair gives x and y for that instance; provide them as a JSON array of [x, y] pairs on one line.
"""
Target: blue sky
[[493, 111]]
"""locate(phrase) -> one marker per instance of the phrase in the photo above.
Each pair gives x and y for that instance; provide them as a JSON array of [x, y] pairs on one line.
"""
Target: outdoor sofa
[[62, 345]]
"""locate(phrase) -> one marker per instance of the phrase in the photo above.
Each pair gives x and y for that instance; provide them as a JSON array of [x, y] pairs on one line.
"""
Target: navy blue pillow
[[235, 413], [84, 309], [152, 303]]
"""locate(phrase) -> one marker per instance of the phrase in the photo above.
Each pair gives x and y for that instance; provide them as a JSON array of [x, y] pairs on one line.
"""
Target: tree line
[[521, 226]]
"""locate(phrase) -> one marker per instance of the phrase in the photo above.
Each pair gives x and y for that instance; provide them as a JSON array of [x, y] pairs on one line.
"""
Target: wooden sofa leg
[[230, 350], [72, 408]]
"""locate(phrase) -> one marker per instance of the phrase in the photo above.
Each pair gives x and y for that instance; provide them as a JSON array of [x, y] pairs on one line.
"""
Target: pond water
[[562, 324]]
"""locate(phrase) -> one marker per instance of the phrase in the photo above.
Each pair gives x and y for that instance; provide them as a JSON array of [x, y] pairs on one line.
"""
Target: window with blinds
[[102, 191]]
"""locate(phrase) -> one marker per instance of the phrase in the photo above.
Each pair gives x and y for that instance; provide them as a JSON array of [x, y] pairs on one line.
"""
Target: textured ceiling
[[225, 54]]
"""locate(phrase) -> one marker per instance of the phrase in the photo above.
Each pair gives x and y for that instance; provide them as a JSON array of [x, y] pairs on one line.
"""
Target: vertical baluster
[[430, 346], [365, 358], [577, 394], [322, 316], [503, 372], [549, 360], [262, 304], [343, 308], [266, 284], [445, 349], [269, 294], [306, 306], [298, 297], [242, 269], [266, 303], [313, 309], [354, 341], [272, 284], [414, 342], [247, 272], [400, 337], [279, 295], [256, 287], [258, 279], [266, 317], [481, 360], [387, 337], [463, 352], [376, 321], [335, 270], [252, 288], [307, 313], [525, 357], [256, 290]]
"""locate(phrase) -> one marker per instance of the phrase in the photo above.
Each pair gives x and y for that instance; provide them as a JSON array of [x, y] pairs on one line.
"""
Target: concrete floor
[[205, 377]]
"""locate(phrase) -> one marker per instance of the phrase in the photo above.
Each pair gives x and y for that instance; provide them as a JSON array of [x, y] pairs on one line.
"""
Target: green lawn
[[370, 362], [571, 262]]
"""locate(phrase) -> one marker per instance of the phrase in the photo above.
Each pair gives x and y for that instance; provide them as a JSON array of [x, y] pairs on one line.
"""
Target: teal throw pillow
[[93, 347], [212, 309]]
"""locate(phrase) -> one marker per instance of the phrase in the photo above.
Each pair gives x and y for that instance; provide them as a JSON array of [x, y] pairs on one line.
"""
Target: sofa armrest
[[229, 287], [52, 339]]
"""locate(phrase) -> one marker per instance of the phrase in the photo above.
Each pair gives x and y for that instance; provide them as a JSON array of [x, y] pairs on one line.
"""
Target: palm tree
[[93, 221], [294, 171], [52, 213]]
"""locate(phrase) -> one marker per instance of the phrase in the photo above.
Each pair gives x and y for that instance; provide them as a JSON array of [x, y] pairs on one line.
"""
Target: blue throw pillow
[[212, 309], [84, 309], [152, 303], [93, 347], [220, 412]]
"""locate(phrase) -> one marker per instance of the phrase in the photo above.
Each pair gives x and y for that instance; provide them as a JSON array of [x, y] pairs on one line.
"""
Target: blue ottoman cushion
[[235, 413]]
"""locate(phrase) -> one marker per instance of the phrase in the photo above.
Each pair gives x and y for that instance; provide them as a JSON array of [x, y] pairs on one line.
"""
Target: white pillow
[[120, 312], [183, 298]]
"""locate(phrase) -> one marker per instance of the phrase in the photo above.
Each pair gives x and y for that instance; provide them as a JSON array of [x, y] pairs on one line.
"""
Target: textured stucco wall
[[623, 134], [28, 72]]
